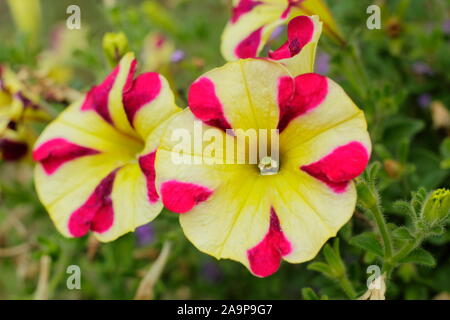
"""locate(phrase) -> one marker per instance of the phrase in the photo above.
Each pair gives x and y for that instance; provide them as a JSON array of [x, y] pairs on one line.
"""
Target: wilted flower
[[238, 211], [376, 290], [95, 161], [18, 110], [253, 22]]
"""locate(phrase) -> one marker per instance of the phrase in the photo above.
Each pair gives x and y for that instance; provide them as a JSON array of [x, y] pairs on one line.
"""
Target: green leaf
[[420, 256], [399, 129], [373, 170], [321, 267], [445, 148], [403, 233], [405, 207], [309, 294], [333, 258], [368, 241]]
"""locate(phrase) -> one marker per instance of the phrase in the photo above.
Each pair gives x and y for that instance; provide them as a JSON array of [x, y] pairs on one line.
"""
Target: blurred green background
[[398, 75]]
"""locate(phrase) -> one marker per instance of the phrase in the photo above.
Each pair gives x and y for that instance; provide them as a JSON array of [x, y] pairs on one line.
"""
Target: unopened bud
[[367, 197], [115, 46], [437, 207]]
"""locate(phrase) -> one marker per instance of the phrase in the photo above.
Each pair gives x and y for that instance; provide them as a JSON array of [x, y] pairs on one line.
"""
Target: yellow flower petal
[[228, 97]]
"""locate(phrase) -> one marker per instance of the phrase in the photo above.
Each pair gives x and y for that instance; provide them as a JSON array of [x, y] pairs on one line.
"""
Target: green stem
[[347, 286], [407, 248], [382, 226]]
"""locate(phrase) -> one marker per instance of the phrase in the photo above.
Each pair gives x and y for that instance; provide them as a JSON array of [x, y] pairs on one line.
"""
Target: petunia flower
[[281, 207], [19, 109], [157, 52], [96, 160], [253, 21]]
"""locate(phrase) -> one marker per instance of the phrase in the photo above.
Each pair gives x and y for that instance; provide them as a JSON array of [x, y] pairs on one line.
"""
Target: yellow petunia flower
[[95, 166], [253, 22], [282, 206], [19, 109]]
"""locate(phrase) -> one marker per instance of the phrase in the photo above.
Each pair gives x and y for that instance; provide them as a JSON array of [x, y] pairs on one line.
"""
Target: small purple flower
[[277, 32], [421, 68], [446, 26], [211, 272], [322, 63], [177, 56], [424, 100], [145, 234]]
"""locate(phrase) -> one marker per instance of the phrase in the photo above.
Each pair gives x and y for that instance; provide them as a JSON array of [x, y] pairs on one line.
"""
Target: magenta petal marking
[[54, 153], [97, 213], [300, 32], [242, 8], [282, 52], [144, 89], [265, 257], [98, 97], [205, 104], [180, 197], [248, 47], [147, 164], [291, 3], [340, 166], [310, 90]]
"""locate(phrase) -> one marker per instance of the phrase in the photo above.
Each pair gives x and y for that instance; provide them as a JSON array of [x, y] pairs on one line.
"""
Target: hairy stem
[[347, 286], [407, 248], [382, 227]]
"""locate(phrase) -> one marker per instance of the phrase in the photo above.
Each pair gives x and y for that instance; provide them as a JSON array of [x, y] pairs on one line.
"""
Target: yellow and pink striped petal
[[95, 168], [252, 23]]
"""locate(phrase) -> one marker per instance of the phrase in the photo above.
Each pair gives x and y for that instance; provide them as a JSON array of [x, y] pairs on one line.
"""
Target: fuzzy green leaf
[[322, 268], [309, 294], [420, 256], [368, 241], [333, 259], [403, 233]]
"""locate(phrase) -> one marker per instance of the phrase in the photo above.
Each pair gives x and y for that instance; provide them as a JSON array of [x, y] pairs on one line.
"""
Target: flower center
[[268, 166]]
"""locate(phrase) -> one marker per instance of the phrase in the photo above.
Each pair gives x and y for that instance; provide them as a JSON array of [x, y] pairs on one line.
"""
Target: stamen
[[268, 166]]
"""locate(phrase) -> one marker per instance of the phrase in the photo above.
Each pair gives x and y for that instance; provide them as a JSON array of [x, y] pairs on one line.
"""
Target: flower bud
[[367, 197], [437, 206], [27, 17], [115, 46], [393, 168]]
